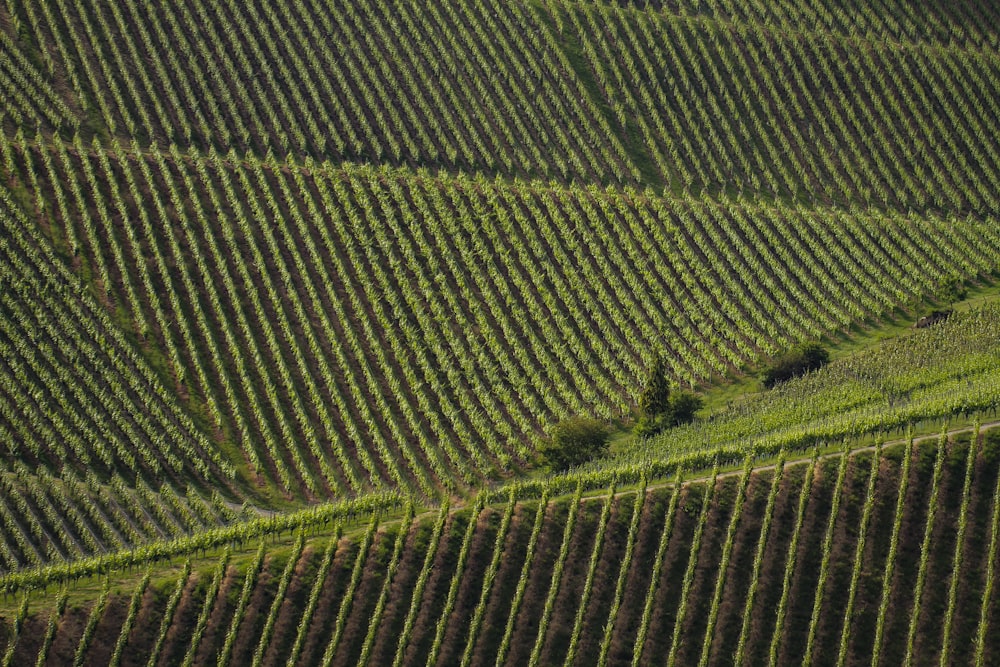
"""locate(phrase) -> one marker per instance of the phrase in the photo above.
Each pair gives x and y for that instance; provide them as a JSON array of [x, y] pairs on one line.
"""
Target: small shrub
[[800, 361], [575, 441], [683, 405], [680, 409]]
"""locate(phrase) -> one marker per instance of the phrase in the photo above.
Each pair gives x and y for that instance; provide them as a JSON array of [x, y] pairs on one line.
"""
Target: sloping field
[[352, 328], [87, 427], [291, 292], [876, 555], [781, 110]]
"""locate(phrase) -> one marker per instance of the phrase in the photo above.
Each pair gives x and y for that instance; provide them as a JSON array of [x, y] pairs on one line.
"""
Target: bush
[[800, 361], [575, 441], [683, 405], [680, 409]]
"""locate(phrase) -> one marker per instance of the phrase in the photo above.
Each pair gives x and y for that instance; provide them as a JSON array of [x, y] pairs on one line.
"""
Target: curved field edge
[[386, 509], [317, 324], [947, 372]]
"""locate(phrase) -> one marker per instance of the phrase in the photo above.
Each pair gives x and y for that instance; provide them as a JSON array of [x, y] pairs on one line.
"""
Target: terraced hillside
[[300, 267]]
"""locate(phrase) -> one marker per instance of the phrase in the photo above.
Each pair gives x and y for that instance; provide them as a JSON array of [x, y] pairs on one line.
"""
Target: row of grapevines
[[130, 619], [654, 580], [267, 632], [467, 85], [739, 503], [758, 560], [342, 371], [740, 107], [405, 527], [488, 578], [522, 582], [826, 551], [588, 584], [418, 589], [890, 560], [859, 552], [313, 602], [963, 521], [226, 652], [53, 626], [93, 618], [692, 562], [173, 601], [556, 578], [348, 599], [791, 561], [925, 549], [206, 608], [616, 603]]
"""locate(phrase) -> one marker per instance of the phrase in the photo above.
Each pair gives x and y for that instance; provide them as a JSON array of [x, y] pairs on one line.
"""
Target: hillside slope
[[854, 556]]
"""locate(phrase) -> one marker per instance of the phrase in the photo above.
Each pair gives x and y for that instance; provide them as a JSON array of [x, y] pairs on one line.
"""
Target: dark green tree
[[952, 290], [655, 397]]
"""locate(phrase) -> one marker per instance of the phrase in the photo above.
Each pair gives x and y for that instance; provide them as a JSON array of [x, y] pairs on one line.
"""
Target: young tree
[[655, 397], [659, 408]]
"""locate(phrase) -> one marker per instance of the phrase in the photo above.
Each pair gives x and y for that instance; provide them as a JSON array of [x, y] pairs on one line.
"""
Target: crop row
[[766, 112], [966, 24], [467, 84], [800, 103], [666, 590], [319, 318], [80, 407]]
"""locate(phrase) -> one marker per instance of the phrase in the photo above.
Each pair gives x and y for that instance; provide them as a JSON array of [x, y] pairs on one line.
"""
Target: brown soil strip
[[220, 617], [321, 625], [736, 578], [934, 601], [364, 599], [256, 612], [400, 595], [547, 550], [911, 535], [185, 617], [556, 641], [845, 538], [292, 606], [869, 591], [803, 585], [637, 582], [675, 560], [480, 553], [504, 586], [706, 570]]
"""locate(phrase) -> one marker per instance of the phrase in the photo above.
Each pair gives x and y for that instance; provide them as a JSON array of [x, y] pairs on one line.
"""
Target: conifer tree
[[655, 398]]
